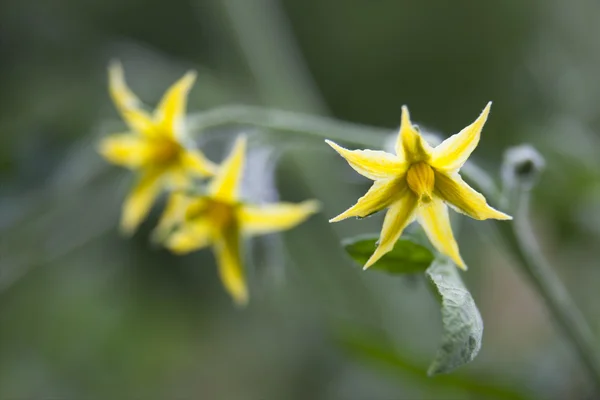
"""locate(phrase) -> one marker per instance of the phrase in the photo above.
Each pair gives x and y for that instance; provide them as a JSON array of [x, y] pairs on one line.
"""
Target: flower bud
[[522, 166]]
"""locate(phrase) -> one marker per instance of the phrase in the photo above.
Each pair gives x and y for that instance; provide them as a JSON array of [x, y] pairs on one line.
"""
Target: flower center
[[421, 179], [221, 214], [166, 151]]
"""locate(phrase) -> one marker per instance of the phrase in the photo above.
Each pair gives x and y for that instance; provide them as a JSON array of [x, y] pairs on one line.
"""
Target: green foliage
[[407, 257], [462, 323]]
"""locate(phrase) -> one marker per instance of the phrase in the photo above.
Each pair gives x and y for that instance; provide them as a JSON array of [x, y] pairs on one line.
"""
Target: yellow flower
[[417, 182], [155, 145], [219, 219]]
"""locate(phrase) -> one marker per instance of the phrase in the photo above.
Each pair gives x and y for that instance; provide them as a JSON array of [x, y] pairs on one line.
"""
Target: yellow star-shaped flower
[[156, 145], [417, 182], [219, 219]]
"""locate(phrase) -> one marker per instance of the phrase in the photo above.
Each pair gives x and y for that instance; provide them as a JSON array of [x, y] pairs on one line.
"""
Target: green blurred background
[[86, 313]]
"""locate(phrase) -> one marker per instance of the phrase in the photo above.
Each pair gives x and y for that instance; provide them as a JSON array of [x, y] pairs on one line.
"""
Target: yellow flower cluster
[[417, 182], [158, 149]]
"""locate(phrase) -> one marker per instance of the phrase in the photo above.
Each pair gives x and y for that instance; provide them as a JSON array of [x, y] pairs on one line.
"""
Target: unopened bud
[[522, 166]]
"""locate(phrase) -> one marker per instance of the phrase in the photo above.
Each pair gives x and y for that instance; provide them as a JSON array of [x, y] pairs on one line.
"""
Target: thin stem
[[286, 121], [518, 234], [523, 243]]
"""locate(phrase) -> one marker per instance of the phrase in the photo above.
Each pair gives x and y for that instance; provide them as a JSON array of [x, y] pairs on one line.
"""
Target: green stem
[[521, 239], [518, 235], [286, 121]]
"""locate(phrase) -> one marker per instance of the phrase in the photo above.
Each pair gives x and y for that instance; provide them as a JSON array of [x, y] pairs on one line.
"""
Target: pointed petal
[[192, 236], [173, 215], [170, 113], [140, 200], [463, 198], [452, 153], [126, 150], [177, 179], [126, 102], [228, 253], [275, 217], [370, 163], [399, 215], [195, 162], [198, 207], [434, 219], [410, 146], [225, 186], [381, 194]]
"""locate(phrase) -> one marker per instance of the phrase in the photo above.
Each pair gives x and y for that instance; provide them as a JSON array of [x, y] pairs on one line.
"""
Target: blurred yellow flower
[[417, 182], [219, 219], [155, 145]]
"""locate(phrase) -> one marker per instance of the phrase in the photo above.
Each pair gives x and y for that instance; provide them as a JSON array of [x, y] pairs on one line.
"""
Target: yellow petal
[[225, 185], [228, 253], [127, 103], [191, 237], [170, 113], [193, 161], [381, 194], [463, 198], [452, 153], [140, 200], [177, 179], [173, 214], [370, 163], [181, 175], [410, 146], [275, 217], [199, 207], [434, 219], [400, 214], [126, 150]]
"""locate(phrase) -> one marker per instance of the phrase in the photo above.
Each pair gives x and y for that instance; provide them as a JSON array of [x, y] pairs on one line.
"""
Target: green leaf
[[462, 323], [407, 257]]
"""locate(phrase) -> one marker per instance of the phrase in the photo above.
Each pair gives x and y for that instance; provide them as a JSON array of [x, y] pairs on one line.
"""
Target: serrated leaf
[[407, 257], [461, 320]]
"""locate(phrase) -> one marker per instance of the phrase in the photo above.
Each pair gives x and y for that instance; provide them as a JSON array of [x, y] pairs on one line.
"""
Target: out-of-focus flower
[[417, 182], [156, 145], [219, 219]]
